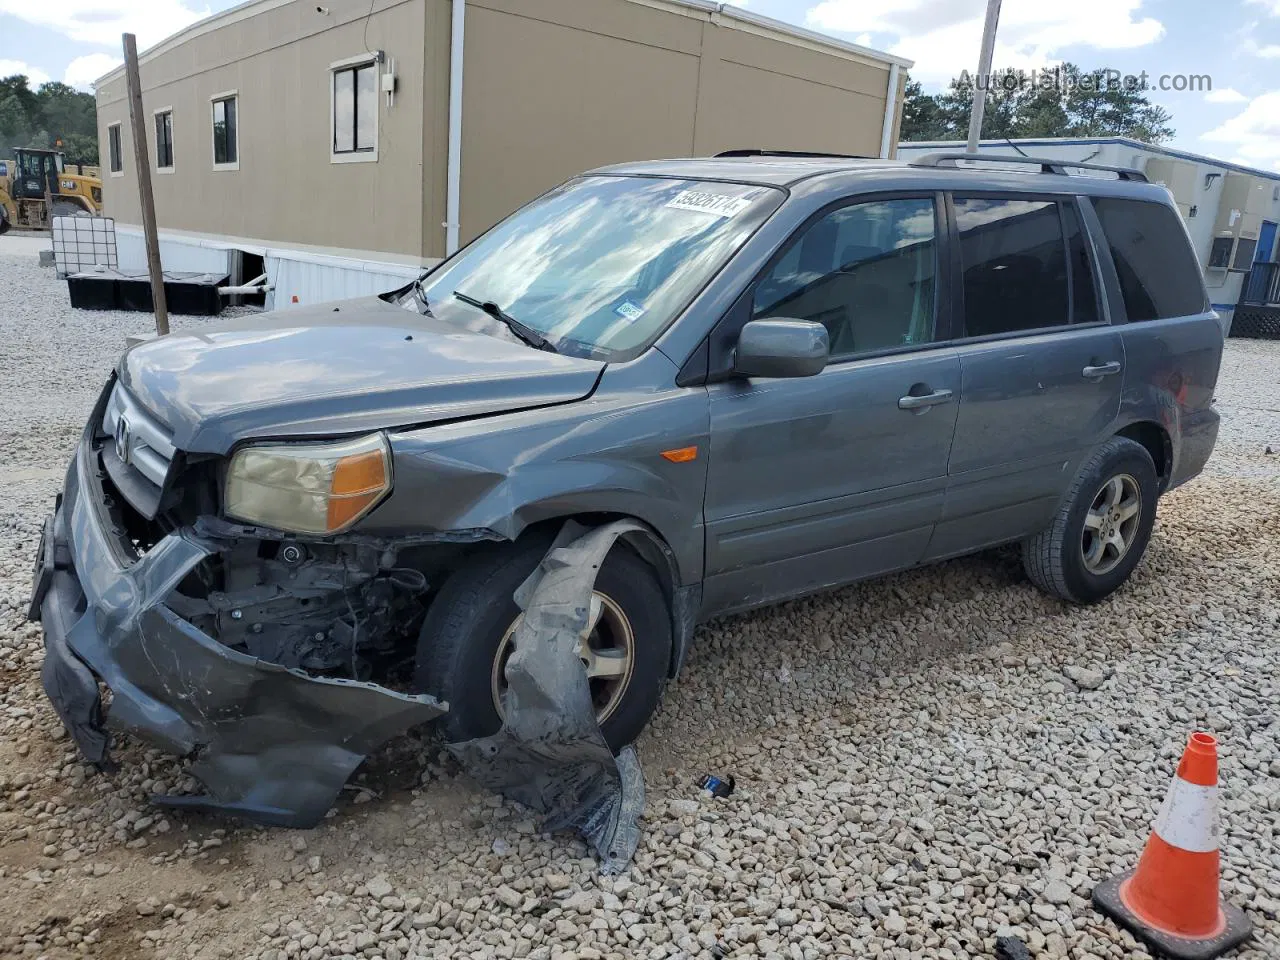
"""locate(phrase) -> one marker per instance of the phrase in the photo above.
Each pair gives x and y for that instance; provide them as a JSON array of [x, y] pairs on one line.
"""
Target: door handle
[[1101, 370], [911, 402]]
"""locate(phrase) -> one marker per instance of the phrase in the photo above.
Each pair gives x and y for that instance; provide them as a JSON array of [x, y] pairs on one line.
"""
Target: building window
[[115, 154], [1244, 253], [226, 135], [354, 117], [1220, 253], [164, 139]]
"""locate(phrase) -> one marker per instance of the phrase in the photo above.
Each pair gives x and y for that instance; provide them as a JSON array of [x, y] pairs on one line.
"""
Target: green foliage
[[1065, 102], [40, 118]]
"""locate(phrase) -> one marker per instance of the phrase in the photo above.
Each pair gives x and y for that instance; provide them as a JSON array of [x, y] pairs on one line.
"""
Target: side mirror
[[781, 348]]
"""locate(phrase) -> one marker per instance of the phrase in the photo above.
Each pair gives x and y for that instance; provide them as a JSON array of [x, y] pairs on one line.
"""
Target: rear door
[[1172, 340], [1041, 368], [822, 480]]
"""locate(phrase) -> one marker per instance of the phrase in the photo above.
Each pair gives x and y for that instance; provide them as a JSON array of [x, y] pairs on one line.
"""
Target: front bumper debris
[[270, 744], [550, 754]]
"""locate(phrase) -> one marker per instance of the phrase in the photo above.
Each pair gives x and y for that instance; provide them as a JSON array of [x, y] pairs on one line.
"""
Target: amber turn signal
[[681, 454], [358, 481]]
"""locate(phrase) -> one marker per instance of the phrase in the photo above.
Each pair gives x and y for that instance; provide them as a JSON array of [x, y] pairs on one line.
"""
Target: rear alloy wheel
[[1101, 530], [466, 641], [1111, 525]]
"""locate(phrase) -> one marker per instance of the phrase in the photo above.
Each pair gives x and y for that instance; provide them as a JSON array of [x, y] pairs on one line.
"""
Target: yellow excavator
[[36, 185]]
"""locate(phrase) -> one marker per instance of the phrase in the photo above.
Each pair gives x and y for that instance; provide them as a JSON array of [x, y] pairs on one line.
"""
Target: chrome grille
[[139, 440]]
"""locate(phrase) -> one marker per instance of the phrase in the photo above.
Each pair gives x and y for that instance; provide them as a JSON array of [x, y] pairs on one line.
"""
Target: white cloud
[[1271, 6], [943, 36], [102, 22], [1225, 95], [1254, 132], [35, 75], [1270, 51], [83, 71]]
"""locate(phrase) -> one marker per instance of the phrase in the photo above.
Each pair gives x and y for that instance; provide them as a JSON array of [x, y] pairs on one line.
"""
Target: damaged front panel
[[270, 743], [550, 754]]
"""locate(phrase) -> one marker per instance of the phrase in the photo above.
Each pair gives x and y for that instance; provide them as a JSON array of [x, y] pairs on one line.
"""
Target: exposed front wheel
[[466, 640], [1101, 530]]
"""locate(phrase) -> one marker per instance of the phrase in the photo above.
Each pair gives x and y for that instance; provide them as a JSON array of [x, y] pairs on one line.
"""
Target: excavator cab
[[37, 174]]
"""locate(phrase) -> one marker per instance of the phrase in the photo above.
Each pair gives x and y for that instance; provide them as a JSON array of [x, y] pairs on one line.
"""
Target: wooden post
[[142, 159]]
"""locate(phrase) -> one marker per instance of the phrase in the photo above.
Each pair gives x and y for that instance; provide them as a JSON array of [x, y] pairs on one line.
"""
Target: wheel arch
[[1155, 439], [683, 601]]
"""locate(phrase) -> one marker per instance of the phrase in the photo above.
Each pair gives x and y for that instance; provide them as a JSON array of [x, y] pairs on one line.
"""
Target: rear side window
[[1159, 275], [1014, 261]]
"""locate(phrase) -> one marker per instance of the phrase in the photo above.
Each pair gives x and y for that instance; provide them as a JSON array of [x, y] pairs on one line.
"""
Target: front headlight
[[308, 488]]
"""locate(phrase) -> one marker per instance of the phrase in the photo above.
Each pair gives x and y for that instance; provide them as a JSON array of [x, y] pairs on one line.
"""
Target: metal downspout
[[453, 214]]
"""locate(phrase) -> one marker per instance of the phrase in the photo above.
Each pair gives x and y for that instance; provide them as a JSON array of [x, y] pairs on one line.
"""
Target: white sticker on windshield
[[715, 204], [629, 311]]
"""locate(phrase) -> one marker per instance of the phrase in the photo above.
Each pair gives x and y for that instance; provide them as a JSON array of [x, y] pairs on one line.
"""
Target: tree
[[1063, 102], [40, 118], [922, 116]]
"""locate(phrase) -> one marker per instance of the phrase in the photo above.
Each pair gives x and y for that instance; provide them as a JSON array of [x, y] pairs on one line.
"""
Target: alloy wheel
[[1111, 525], [606, 648]]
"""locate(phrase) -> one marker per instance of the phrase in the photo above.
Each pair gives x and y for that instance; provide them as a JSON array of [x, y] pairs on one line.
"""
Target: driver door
[[820, 481]]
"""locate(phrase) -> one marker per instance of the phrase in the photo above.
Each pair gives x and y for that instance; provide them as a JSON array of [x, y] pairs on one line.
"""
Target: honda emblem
[[123, 439]]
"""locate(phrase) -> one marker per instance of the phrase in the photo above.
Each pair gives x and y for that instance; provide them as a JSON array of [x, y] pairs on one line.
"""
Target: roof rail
[[800, 154], [1046, 165]]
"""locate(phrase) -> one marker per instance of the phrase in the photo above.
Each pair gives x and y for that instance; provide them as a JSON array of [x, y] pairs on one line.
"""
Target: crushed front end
[[251, 654]]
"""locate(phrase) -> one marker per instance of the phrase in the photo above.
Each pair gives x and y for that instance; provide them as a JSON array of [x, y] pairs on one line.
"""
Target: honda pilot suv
[[286, 538]]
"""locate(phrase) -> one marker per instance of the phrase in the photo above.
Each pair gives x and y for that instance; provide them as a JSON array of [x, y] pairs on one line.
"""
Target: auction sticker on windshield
[[712, 203]]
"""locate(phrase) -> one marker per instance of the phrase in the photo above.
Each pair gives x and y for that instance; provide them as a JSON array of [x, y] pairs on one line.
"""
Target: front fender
[[598, 456]]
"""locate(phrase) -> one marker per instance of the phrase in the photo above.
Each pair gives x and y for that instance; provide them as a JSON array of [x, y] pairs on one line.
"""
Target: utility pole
[[984, 74], [142, 159]]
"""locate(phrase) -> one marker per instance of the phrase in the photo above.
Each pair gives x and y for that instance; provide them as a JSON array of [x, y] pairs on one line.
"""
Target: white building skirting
[[301, 275]]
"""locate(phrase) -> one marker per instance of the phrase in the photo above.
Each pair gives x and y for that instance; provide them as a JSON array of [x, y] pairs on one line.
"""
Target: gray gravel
[[924, 763]]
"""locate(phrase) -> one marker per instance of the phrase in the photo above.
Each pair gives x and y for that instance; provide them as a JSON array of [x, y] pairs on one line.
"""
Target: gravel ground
[[924, 763]]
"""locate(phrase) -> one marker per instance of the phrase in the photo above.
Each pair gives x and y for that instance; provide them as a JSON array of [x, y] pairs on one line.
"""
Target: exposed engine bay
[[332, 609]]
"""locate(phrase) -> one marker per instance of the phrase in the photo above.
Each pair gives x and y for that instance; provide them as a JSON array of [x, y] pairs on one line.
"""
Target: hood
[[338, 369]]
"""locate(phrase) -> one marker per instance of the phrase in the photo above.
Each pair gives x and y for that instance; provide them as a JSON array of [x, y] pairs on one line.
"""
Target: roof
[[1094, 142], [764, 171], [853, 175], [712, 11]]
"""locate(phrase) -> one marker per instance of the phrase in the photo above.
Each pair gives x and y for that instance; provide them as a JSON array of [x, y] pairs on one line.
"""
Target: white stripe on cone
[[1188, 819]]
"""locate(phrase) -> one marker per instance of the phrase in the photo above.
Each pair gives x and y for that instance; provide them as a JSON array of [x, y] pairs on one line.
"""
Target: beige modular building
[[368, 139]]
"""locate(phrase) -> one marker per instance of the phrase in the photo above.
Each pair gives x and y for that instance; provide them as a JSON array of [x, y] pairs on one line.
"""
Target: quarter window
[[1158, 272], [164, 140], [115, 156], [866, 272], [226, 142], [1014, 262], [355, 108]]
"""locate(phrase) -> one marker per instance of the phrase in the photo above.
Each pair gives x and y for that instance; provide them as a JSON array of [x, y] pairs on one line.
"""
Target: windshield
[[600, 266]]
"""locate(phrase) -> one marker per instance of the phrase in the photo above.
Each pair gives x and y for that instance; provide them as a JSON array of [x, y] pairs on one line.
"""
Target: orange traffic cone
[[1171, 900]]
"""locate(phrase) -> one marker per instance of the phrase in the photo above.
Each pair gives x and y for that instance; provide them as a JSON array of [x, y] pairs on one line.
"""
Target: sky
[[1234, 43]]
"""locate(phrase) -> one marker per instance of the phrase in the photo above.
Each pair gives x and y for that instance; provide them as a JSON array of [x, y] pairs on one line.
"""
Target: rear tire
[[1102, 529], [469, 620]]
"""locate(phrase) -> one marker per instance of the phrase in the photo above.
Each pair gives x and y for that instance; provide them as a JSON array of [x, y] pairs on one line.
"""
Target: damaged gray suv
[[288, 538]]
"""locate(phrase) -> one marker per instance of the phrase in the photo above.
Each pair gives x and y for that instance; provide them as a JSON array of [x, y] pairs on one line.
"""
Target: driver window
[[865, 272]]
